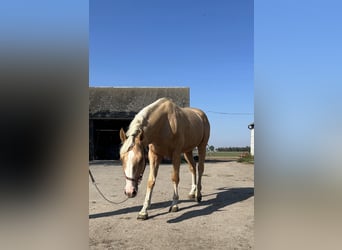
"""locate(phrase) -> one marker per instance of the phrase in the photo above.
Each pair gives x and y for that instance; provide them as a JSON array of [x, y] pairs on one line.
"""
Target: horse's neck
[[152, 128]]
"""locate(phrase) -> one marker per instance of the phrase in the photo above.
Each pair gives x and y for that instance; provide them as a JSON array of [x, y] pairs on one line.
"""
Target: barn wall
[[111, 109]]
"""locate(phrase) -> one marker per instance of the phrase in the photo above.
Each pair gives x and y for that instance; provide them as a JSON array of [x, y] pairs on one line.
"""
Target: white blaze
[[129, 171]]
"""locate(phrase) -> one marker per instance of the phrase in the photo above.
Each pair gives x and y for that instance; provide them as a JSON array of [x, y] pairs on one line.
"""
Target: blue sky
[[298, 62], [204, 45]]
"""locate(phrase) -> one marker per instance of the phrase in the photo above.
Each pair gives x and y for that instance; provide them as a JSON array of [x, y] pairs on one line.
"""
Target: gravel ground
[[223, 220]]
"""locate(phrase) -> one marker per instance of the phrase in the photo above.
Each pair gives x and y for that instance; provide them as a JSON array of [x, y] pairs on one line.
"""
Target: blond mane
[[138, 122]]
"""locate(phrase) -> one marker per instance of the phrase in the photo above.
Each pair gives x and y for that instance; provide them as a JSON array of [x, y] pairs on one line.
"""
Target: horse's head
[[133, 162]]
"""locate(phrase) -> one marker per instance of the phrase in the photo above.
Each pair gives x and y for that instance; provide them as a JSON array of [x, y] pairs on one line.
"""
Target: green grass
[[246, 158], [224, 154]]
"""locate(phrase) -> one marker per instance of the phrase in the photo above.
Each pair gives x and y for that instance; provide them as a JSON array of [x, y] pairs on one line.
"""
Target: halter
[[139, 179]]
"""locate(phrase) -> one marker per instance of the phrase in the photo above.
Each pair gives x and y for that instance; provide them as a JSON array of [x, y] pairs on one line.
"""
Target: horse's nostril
[[134, 193]]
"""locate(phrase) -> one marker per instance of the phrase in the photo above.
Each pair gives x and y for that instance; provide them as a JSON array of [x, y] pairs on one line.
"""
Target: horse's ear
[[123, 136]]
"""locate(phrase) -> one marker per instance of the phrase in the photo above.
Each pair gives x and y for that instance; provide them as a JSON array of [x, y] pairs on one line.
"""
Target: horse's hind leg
[[192, 166], [176, 160], [201, 159]]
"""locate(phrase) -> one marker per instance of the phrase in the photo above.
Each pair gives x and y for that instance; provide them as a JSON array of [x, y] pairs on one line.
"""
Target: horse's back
[[186, 127]]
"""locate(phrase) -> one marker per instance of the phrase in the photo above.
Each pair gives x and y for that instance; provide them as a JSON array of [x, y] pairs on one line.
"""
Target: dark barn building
[[113, 108]]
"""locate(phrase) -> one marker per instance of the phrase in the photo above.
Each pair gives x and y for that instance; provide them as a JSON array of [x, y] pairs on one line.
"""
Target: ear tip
[[123, 136]]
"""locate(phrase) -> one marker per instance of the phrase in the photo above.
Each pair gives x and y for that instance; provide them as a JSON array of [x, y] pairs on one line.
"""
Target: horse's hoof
[[199, 199], [142, 216], [191, 196], [173, 209]]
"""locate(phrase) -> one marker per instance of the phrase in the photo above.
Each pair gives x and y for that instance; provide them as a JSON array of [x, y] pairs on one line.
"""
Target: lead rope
[[104, 197]]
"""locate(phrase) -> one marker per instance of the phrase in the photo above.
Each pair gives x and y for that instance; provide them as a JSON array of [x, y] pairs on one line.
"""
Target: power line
[[230, 113]]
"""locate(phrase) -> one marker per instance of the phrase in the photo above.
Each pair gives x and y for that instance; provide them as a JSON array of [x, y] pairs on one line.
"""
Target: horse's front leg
[[154, 165], [175, 179]]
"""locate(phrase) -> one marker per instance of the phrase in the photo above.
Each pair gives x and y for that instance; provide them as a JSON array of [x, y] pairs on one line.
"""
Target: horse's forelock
[[127, 145]]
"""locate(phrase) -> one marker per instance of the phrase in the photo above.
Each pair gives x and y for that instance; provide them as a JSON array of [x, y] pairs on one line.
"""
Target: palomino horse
[[167, 130]]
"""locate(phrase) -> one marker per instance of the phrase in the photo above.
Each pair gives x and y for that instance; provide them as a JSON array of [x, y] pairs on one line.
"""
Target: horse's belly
[[189, 148]]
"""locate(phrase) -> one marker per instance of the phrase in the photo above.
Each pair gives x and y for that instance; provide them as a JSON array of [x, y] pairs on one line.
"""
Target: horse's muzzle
[[131, 194]]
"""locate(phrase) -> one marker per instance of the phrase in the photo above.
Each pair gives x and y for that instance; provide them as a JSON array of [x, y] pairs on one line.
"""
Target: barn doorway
[[105, 140]]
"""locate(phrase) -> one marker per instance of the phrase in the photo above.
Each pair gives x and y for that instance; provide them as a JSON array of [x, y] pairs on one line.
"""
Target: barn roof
[[125, 102]]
